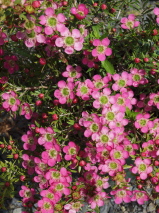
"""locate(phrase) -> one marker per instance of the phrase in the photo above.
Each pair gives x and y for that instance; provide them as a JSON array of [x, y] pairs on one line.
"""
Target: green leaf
[[108, 66], [96, 31]]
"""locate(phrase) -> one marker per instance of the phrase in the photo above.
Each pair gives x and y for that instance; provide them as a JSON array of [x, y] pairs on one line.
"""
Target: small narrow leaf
[[108, 66]]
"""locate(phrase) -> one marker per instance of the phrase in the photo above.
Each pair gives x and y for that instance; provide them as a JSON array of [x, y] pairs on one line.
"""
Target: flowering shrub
[[84, 76]]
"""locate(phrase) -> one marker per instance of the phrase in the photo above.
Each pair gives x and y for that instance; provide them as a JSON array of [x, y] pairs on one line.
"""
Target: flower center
[[12, 101], [59, 187], [139, 195], [56, 175], [69, 41], [100, 49], [52, 153], [50, 196], [73, 74], [72, 151], [121, 193], [49, 137], [76, 205], [130, 24], [94, 127], [65, 91], [31, 35], [117, 155], [113, 165], [99, 182], [120, 101], [136, 77], [52, 22], [99, 84], [103, 99], [27, 193], [156, 99], [104, 138], [84, 90], [142, 167], [143, 122], [122, 83], [47, 205], [29, 25], [110, 116]]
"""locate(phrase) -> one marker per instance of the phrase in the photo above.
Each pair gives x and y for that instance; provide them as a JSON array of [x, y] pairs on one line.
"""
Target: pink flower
[[138, 77], [83, 30], [65, 91], [118, 153], [27, 194], [2, 37], [88, 59], [101, 50], [10, 103], [122, 195], [130, 22], [49, 193], [28, 163], [61, 188], [84, 89], [154, 99], [80, 12], [101, 183], [30, 141], [142, 167], [72, 73], [47, 135], [139, 196], [70, 41], [100, 82], [52, 154], [121, 81], [46, 205], [26, 111], [52, 22], [142, 122], [73, 207], [97, 199], [71, 150], [111, 167], [156, 12], [10, 64]]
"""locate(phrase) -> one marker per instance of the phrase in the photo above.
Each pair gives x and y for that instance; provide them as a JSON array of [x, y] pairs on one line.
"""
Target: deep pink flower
[[123, 80], [28, 163], [138, 77], [97, 199], [26, 111], [46, 205], [10, 64], [2, 37], [101, 50], [80, 12], [130, 22], [156, 12], [142, 122], [118, 153], [47, 135], [100, 82], [73, 207], [27, 193], [154, 99], [71, 150], [111, 167]]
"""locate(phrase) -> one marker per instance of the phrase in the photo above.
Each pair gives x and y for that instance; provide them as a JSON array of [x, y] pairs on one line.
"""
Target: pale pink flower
[[101, 50], [154, 100], [49, 193], [156, 12], [122, 195], [73, 207], [140, 197], [72, 73], [11, 102], [130, 22], [143, 123], [100, 82], [111, 167], [70, 41], [46, 205], [123, 80], [84, 89], [52, 22], [65, 91], [138, 77], [97, 199], [142, 167], [118, 153], [47, 135]]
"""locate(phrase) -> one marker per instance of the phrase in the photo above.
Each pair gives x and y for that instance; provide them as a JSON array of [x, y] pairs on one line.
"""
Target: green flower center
[[142, 167], [96, 197], [113, 165], [117, 155], [99, 84], [122, 83], [84, 90], [73, 74], [121, 193], [12, 101], [100, 49], [99, 182], [105, 154], [47, 205], [143, 122], [65, 91], [28, 194], [56, 175], [29, 25], [94, 127], [103, 99], [52, 22], [104, 138], [136, 77], [58, 207], [110, 116], [69, 41], [130, 24], [50, 196], [59, 187], [120, 101], [156, 99], [76, 205], [31, 163], [49, 137], [139, 195], [52, 153], [72, 151], [6, 2], [128, 148], [31, 35]]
